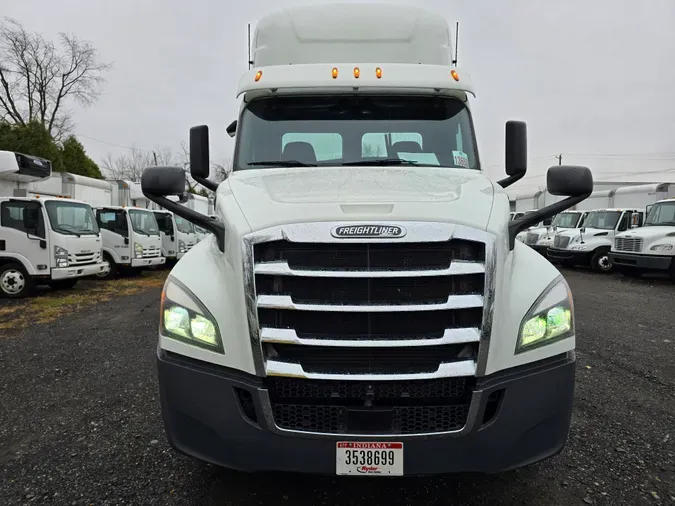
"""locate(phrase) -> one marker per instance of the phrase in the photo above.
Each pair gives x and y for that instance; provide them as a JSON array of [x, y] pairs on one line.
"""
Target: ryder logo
[[368, 470], [368, 232]]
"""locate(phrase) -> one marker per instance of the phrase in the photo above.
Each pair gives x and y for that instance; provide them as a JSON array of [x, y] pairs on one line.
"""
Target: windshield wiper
[[381, 161], [65, 231], [283, 163]]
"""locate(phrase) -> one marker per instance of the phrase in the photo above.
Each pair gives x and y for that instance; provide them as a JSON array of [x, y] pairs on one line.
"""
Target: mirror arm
[[209, 185], [521, 224], [213, 226], [508, 181]]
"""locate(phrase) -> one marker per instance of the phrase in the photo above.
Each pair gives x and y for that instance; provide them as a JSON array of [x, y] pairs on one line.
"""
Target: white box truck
[[650, 248], [44, 239], [362, 306]]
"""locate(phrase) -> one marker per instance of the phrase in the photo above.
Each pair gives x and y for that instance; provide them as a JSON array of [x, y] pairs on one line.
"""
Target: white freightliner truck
[[650, 248], [590, 244], [44, 239], [541, 238], [363, 307]]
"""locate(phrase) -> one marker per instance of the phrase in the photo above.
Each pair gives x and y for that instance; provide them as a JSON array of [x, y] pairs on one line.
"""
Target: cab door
[[30, 246], [114, 233]]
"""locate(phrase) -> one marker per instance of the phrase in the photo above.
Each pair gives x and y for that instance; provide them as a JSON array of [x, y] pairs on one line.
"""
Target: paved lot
[[79, 417]]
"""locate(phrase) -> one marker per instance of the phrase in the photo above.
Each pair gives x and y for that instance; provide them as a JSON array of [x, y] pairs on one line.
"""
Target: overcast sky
[[593, 79]]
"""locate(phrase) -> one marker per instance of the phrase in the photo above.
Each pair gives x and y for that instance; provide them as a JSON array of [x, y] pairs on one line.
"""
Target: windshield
[[566, 220], [662, 214], [349, 130], [605, 220], [71, 217], [143, 222], [184, 225]]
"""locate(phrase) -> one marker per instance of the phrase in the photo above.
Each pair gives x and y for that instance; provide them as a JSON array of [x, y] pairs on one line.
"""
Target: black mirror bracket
[[509, 180], [517, 226], [209, 185], [212, 225]]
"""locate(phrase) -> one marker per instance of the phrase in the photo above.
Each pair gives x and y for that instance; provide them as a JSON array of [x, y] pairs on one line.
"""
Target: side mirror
[[635, 220], [547, 222], [569, 180], [163, 181], [31, 217], [199, 151], [515, 152], [200, 165], [232, 128]]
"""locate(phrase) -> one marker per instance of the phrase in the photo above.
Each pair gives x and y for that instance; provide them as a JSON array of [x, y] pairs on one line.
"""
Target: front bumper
[[567, 255], [205, 418], [542, 249], [641, 262], [147, 262], [78, 271]]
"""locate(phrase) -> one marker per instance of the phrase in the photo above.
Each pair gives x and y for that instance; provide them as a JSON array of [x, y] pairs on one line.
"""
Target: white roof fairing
[[343, 33]]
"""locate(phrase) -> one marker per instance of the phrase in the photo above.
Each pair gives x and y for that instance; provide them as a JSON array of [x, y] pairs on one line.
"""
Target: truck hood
[[82, 245], [575, 232], [270, 197], [648, 232]]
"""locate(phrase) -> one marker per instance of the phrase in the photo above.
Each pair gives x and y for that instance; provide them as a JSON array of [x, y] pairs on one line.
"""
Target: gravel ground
[[79, 418]]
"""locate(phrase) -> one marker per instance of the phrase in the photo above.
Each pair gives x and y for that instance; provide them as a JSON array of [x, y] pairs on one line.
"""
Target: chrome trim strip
[[457, 267], [286, 302], [445, 370], [450, 336], [488, 303], [471, 423]]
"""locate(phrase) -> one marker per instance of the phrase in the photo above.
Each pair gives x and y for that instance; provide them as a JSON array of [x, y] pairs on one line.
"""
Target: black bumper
[[205, 417], [542, 250], [571, 256], [641, 262]]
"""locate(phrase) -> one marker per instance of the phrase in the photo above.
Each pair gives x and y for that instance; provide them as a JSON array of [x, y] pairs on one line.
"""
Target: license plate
[[385, 459]]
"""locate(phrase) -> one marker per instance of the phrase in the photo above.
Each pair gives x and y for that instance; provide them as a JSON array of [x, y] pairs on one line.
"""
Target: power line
[[113, 144]]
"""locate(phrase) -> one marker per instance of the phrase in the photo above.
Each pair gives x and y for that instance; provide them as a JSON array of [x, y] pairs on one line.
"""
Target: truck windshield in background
[[566, 220], [184, 226], [71, 217], [143, 222], [351, 130], [605, 220], [661, 214]]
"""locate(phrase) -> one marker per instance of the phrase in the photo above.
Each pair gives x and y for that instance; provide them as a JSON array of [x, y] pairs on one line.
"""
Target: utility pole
[[559, 157]]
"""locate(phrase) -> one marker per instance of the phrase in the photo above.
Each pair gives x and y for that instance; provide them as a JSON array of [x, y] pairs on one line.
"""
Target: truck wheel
[[63, 284], [600, 262], [15, 282], [111, 268]]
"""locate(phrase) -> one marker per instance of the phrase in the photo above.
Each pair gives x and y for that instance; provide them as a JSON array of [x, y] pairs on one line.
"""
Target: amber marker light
[[378, 73], [454, 75], [258, 75], [357, 72], [334, 72]]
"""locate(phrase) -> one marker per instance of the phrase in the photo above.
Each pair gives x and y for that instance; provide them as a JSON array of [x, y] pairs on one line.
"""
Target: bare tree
[[38, 78], [220, 171], [127, 166]]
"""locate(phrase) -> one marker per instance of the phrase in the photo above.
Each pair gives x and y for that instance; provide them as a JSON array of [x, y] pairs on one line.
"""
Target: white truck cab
[[540, 239], [362, 307], [591, 243], [178, 234], [131, 239], [522, 236], [650, 248], [43, 239]]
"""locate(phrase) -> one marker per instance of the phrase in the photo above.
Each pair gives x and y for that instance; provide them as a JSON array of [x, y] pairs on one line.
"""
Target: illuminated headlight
[[579, 247], [138, 250], [661, 247], [550, 319], [186, 319], [61, 256], [181, 247]]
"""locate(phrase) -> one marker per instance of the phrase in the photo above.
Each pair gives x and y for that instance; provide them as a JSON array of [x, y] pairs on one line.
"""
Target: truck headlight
[[661, 247], [181, 247], [184, 318], [61, 256], [550, 319], [138, 250]]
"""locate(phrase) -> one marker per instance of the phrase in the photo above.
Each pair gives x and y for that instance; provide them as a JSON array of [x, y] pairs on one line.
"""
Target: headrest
[[300, 151]]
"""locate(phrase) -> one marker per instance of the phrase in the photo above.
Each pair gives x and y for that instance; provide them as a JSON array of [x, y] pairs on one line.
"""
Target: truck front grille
[[353, 319], [561, 241], [632, 244], [151, 253], [356, 407], [531, 238], [83, 259]]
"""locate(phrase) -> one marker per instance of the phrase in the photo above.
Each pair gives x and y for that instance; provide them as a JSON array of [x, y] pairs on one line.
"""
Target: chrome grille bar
[[286, 302], [283, 269]]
